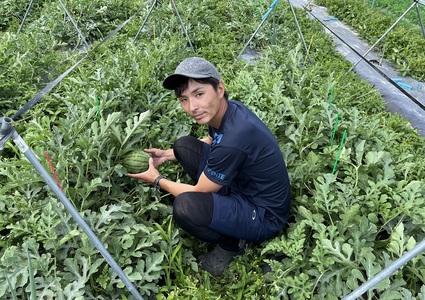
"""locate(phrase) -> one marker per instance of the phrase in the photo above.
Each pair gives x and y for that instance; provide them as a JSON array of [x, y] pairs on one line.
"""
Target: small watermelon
[[136, 161]]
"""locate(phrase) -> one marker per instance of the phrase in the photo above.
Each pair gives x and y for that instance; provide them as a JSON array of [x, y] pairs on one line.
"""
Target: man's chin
[[201, 121]]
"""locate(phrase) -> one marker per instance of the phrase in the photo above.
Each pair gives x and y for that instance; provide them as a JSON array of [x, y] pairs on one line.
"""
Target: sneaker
[[216, 261]]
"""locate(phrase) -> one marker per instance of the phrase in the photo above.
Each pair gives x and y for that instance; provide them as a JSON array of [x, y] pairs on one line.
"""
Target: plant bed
[[357, 183]]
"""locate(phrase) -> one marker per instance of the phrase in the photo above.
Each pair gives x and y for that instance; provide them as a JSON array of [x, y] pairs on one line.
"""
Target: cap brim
[[173, 81]]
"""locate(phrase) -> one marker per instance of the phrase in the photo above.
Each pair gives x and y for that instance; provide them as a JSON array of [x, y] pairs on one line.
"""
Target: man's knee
[[184, 140], [181, 143], [194, 208], [180, 208]]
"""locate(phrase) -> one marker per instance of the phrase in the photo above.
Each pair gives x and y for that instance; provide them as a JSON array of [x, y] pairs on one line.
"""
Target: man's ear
[[220, 89]]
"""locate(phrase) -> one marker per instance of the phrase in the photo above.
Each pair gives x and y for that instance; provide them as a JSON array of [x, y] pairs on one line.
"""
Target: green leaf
[[75, 290], [396, 244], [134, 127], [31, 278], [151, 267]]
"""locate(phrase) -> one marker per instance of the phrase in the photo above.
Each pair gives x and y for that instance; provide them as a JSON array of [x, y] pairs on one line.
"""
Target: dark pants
[[223, 217], [193, 211]]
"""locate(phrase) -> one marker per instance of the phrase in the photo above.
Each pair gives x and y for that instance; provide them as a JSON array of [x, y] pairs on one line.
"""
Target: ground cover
[[403, 46], [356, 170]]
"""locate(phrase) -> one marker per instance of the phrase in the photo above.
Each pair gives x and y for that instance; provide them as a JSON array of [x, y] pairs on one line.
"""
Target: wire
[[413, 99], [55, 82]]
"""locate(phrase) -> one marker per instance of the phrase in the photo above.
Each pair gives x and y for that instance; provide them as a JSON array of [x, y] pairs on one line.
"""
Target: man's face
[[202, 102]]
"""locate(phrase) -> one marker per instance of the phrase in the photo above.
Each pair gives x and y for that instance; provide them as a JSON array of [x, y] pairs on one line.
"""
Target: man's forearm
[[175, 188], [204, 185]]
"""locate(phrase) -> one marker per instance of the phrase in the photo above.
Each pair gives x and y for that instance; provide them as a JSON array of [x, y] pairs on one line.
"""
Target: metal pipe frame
[[155, 3], [418, 249], [66, 12], [263, 19], [8, 131], [381, 38]]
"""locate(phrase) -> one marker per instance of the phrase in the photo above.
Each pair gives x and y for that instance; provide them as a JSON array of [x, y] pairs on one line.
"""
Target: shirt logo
[[217, 138], [215, 174]]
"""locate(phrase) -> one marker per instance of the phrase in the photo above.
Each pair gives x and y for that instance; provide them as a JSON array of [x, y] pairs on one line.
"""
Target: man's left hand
[[148, 176]]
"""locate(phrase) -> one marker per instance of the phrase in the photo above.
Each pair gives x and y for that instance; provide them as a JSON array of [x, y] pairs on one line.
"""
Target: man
[[242, 190]]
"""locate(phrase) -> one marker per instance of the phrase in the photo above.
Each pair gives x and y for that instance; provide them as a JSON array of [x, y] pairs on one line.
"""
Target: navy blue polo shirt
[[246, 157]]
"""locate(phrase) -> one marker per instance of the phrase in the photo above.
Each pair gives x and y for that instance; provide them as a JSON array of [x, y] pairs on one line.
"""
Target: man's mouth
[[199, 116]]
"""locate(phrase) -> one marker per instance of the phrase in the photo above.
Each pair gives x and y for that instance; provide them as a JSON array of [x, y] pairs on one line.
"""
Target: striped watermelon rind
[[136, 161]]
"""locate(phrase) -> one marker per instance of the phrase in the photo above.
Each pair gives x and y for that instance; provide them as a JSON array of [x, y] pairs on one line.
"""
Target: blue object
[[405, 85], [270, 9], [331, 19]]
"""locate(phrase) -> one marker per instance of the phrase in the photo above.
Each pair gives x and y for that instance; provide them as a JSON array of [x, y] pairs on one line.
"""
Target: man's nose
[[193, 105]]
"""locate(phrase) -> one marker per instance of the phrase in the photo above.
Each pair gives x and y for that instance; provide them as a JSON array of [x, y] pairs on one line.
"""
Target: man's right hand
[[160, 156]]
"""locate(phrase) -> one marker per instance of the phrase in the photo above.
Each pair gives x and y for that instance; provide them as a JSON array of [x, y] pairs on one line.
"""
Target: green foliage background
[[349, 220], [403, 46]]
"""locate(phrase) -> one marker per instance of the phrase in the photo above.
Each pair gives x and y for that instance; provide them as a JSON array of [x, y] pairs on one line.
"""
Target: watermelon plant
[[357, 171], [404, 44]]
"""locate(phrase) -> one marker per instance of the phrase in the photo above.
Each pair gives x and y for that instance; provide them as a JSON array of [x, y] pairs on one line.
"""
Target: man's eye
[[199, 94]]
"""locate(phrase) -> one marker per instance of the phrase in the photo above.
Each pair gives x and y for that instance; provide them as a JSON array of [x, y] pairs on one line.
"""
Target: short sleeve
[[223, 164]]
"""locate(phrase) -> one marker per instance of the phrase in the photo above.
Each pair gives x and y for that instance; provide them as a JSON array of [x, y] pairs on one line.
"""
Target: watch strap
[[156, 182]]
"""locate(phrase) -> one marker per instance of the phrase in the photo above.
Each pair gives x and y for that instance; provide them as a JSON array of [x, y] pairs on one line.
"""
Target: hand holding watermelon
[[160, 156], [147, 176]]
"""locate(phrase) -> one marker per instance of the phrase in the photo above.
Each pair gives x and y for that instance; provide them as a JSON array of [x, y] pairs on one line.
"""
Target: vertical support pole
[[25, 16], [299, 31], [420, 19], [73, 23], [145, 20], [182, 25], [67, 13], [249, 41], [263, 19], [5, 132]]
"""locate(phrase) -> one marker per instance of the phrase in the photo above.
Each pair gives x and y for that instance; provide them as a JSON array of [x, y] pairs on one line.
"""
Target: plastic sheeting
[[396, 101]]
